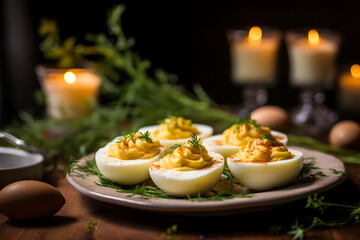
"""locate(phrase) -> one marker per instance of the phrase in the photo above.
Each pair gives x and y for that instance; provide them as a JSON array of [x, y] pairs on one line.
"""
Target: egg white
[[264, 176], [125, 172], [227, 150], [205, 131], [183, 183]]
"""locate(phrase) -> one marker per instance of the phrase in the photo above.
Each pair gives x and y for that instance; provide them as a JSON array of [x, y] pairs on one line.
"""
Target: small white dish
[[17, 165]]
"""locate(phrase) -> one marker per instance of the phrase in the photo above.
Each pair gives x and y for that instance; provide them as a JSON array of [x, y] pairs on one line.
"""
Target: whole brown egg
[[273, 117], [344, 133], [29, 199]]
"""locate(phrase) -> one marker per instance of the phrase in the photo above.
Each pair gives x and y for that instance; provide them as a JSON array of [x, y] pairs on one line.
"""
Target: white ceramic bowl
[[264, 176], [213, 144], [17, 165], [205, 131]]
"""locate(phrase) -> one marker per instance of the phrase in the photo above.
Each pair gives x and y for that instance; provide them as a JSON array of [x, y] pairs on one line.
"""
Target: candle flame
[[255, 34], [355, 71], [70, 77], [313, 37]]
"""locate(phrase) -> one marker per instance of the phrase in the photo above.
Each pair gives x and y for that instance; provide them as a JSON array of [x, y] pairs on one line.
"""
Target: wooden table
[[116, 222]]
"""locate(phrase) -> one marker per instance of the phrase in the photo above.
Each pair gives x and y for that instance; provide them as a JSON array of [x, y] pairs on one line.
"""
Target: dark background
[[187, 38]]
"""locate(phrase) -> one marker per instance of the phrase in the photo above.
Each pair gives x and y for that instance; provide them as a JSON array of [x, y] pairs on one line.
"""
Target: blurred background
[[187, 38]]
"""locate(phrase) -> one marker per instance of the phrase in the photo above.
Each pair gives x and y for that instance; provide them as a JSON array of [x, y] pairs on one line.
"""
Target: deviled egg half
[[126, 160], [175, 130], [230, 141], [189, 170], [265, 163]]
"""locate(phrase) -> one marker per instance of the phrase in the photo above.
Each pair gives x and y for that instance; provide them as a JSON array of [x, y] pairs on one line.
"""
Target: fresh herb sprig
[[317, 203], [168, 234], [73, 167], [176, 145], [146, 137], [218, 196], [334, 171], [247, 121], [128, 136], [269, 137], [195, 142], [92, 223], [140, 189], [298, 230], [305, 175]]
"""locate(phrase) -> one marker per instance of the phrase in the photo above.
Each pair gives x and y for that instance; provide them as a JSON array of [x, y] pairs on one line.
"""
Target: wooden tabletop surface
[[116, 222]]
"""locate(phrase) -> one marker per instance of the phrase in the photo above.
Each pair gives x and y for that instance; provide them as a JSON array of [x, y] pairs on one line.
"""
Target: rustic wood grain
[[116, 222]]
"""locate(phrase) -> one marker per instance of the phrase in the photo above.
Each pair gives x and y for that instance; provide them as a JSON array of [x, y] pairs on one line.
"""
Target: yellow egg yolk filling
[[174, 128], [263, 150], [240, 134], [134, 147], [187, 158]]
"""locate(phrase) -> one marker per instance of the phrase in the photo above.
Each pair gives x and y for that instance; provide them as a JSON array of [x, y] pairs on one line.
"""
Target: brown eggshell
[[344, 133], [273, 117], [25, 200]]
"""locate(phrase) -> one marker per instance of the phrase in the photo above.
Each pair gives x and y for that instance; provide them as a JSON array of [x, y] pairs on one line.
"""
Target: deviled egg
[[126, 160], [189, 170], [265, 163], [230, 141], [175, 130]]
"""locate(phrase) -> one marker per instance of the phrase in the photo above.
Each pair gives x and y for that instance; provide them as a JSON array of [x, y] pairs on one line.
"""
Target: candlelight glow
[[313, 37], [70, 77], [355, 71], [255, 34]]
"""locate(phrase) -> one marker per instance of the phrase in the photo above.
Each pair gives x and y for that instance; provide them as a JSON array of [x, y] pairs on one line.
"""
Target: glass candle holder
[[349, 91], [253, 64], [70, 93], [312, 57]]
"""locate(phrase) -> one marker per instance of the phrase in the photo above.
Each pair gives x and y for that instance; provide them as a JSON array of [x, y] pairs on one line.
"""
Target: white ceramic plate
[[259, 201]]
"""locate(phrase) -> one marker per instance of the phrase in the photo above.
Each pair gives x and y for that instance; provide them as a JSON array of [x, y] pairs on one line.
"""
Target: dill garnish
[[127, 136], [305, 176], [317, 203], [269, 137], [219, 196], [73, 167], [334, 171], [246, 121], [140, 189], [195, 142], [92, 223], [175, 146], [146, 137], [168, 234]]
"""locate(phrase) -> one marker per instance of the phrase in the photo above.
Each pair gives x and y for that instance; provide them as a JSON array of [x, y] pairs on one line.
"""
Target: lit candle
[[312, 59], [70, 94], [349, 89], [254, 56]]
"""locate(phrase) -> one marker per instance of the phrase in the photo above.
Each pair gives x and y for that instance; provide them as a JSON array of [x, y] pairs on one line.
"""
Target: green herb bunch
[[317, 203], [132, 95]]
